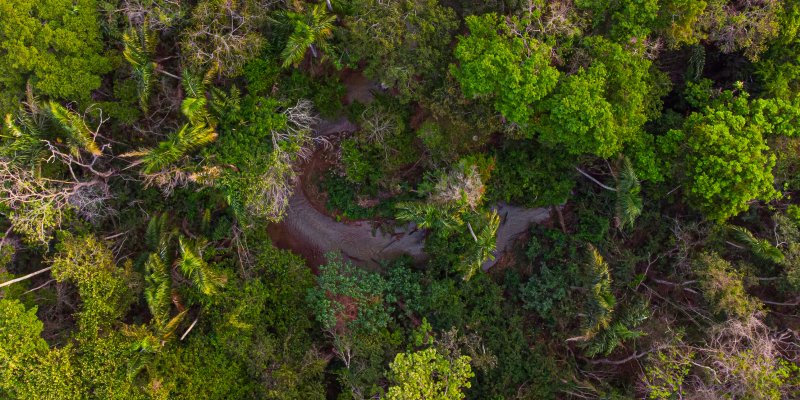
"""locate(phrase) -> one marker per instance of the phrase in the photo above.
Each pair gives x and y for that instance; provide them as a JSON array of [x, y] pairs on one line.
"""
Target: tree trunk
[[22, 278]]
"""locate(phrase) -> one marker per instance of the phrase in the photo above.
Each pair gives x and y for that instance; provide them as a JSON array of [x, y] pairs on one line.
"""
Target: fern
[[79, 136], [761, 248], [139, 49]]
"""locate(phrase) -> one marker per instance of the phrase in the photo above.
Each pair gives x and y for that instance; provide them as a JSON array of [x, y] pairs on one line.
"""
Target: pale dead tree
[[268, 196], [462, 183], [742, 359], [377, 126], [742, 25], [38, 205], [223, 35]]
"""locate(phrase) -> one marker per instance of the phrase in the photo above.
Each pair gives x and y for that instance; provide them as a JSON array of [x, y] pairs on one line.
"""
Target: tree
[[728, 165], [38, 199], [222, 35], [102, 286], [140, 46], [600, 109], [403, 43], [723, 287], [426, 374], [496, 60], [311, 30], [463, 235], [745, 26], [53, 44]]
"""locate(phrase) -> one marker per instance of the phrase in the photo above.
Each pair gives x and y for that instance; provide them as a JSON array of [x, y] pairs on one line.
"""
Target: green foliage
[[601, 108], [140, 46], [719, 140], [404, 44], [427, 374], [349, 296], [666, 372], [531, 175], [778, 66], [677, 21], [312, 30], [55, 45], [103, 288], [514, 69], [20, 344], [723, 287]]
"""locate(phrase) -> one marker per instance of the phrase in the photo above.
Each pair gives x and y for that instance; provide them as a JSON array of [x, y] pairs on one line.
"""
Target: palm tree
[[139, 49], [629, 199], [188, 139], [22, 140], [601, 302], [310, 30], [197, 270], [485, 243], [761, 248]]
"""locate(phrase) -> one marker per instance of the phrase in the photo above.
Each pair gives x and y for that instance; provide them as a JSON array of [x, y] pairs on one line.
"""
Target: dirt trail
[[310, 233]]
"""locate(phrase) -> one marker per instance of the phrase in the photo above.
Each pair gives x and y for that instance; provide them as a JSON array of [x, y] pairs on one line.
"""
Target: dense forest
[[399, 199]]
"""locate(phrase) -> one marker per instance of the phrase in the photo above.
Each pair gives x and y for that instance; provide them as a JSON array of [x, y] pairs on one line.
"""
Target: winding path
[[311, 233]]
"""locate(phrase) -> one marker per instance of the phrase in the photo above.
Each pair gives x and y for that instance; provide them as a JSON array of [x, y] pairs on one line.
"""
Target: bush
[[532, 175]]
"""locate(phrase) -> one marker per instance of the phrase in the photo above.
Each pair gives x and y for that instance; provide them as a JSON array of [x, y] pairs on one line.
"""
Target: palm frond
[[761, 248], [621, 330], [297, 45], [158, 285], [139, 50], [188, 139], [629, 199], [168, 330], [602, 302], [193, 85], [313, 28], [197, 270], [194, 108], [156, 227], [79, 136], [22, 139]]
